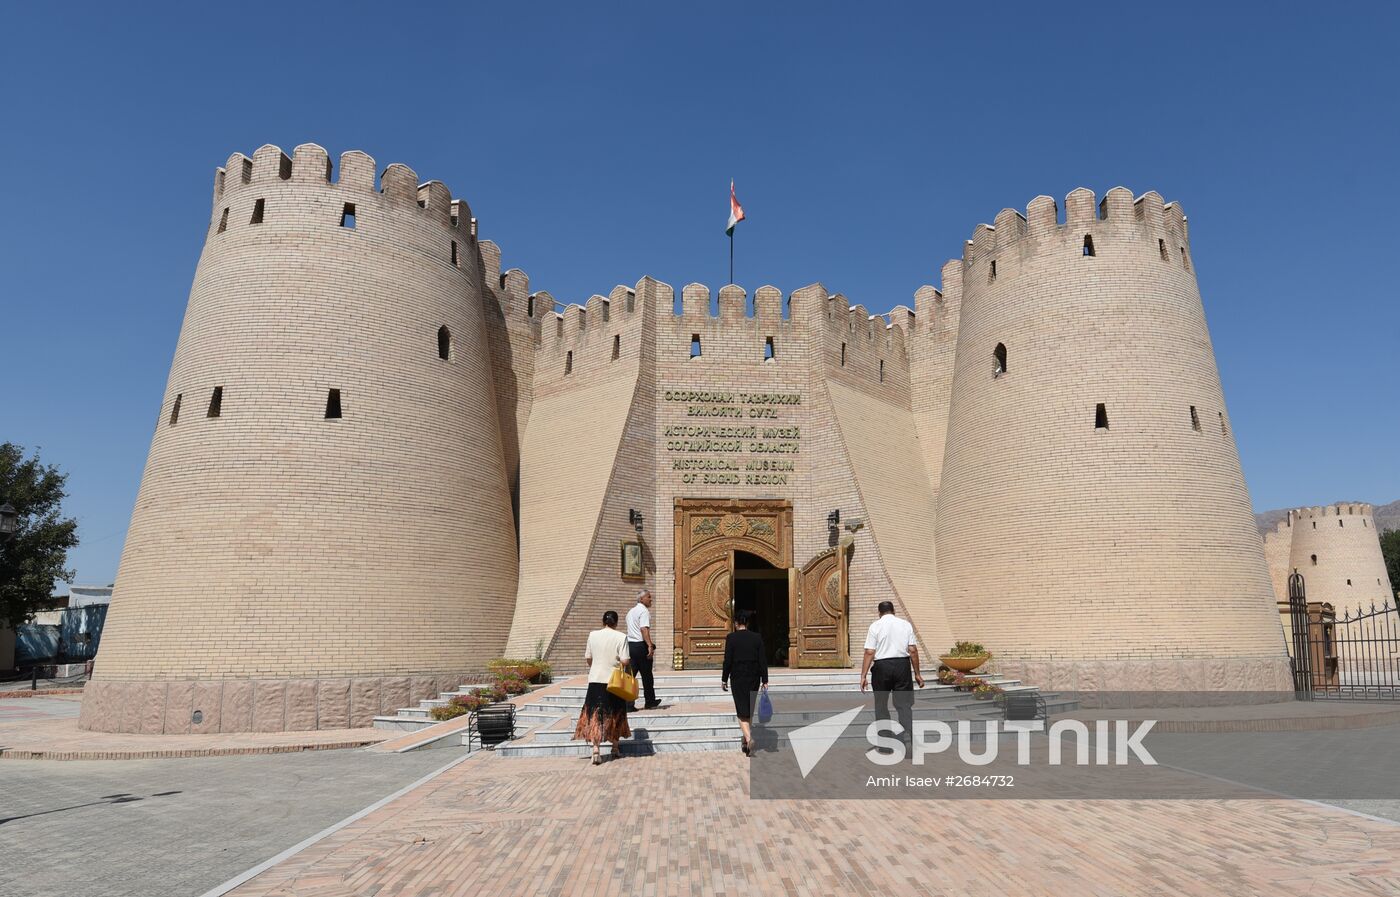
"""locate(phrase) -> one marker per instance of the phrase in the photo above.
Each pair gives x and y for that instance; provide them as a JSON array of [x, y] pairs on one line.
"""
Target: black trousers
[[894, 677], [641, 666]]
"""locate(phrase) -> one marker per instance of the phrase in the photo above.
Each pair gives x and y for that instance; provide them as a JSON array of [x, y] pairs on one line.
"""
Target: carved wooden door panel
[[707, 534], [820, 620], [707, 608]]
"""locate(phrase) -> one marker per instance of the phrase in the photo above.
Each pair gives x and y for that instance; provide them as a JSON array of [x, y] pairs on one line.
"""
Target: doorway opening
[[762, 589]]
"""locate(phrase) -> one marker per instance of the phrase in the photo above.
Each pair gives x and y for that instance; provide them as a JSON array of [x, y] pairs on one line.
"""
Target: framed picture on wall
[[632, 559]]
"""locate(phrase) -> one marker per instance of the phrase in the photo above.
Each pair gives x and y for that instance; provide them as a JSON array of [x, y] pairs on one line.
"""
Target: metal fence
[[1353, 654]]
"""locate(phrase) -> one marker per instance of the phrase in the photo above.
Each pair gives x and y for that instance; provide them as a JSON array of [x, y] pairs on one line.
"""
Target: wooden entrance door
[[708, 532], [820, 618]]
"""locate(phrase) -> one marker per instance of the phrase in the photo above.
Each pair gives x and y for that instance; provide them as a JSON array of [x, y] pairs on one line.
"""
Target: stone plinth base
[[168, 706], [1254, 679]]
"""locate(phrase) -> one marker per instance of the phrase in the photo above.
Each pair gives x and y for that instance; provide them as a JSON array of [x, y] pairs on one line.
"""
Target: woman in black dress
[[746, 667]]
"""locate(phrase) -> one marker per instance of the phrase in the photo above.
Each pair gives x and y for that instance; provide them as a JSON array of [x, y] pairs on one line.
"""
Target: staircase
[[411, 719], [696, 715]]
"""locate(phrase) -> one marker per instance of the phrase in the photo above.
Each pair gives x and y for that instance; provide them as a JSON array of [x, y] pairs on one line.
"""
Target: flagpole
[[731, 256]]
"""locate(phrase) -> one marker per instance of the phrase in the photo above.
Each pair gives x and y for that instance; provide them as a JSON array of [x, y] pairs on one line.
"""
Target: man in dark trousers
[[640, 646], [892, 665]]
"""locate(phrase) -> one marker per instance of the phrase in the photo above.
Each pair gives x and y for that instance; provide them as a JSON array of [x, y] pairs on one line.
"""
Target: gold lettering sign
[[752, 426]]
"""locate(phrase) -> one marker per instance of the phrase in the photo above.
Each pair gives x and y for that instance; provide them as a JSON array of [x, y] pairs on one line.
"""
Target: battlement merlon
[[310, 164], [1084, 213], [733, 305], [902, 318]]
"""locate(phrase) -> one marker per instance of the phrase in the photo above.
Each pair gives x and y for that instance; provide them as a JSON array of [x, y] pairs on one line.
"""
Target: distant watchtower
[[1338, 551]]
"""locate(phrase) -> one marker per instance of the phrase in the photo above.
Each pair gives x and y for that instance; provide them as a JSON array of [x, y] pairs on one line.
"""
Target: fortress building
[[381, 461], [1338, 551]]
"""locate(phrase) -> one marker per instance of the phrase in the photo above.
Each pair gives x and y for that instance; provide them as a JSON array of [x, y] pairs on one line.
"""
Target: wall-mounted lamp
[[635, 518], [833, 522]]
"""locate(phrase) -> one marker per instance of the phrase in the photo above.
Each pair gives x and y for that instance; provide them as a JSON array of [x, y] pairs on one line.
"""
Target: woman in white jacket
[[604, 714]]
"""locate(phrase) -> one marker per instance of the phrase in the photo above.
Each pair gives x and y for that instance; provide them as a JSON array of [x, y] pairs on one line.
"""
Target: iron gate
[[1354, 655]]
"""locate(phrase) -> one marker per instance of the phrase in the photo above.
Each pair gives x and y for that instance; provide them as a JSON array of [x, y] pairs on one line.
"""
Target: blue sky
[[595, 143]]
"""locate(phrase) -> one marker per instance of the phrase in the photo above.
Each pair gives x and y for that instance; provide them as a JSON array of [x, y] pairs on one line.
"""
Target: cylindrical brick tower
[[322, 531], [1094, 529], [1338, 551]]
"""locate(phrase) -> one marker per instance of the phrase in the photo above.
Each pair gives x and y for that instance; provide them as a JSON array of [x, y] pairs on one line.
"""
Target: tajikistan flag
[[736, 211]]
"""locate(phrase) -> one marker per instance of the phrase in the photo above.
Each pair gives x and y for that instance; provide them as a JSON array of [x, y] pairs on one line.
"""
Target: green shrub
[[469, 702], [512, 685], [492, 693], [968, 649], [535, 670], [447, 712]]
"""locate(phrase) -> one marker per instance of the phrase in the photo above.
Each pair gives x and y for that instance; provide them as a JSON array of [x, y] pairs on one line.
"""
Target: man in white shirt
[[640, 646], [892, 662]]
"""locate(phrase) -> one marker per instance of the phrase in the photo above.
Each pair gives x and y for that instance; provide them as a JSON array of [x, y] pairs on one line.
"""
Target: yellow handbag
[[623, 684]]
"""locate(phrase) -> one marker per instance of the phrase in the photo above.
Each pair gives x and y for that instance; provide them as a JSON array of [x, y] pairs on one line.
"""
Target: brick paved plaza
[[682, 825], [175, 828], [669, 824]]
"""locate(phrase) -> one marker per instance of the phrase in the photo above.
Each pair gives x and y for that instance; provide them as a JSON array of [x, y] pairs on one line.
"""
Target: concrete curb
[[18, 754]]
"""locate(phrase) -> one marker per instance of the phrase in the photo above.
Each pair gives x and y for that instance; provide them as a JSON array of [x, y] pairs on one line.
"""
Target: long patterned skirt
[[604, 716]]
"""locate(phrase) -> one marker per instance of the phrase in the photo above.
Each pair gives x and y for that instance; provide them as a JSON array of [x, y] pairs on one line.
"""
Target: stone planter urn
[[964, 664]]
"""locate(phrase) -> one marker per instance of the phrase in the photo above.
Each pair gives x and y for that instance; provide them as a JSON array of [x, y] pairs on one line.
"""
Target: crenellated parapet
[[601, 337], [933, 324], [310, 165], [868, 351], [306, 192], [730, 330], [1144, 225], [1324, 512], [511, 289]]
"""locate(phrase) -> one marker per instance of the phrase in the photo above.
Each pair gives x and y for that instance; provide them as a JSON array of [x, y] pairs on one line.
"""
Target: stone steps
[[649, 741], [411, 719], [696, 714], [676, 727], [570, 697]]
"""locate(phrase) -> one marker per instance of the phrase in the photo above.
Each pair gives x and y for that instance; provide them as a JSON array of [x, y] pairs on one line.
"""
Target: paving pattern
[[175, 828], [682, 824], [17, 709]]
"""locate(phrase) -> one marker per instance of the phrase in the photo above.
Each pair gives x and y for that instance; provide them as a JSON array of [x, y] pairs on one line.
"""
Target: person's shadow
[[763, 738]]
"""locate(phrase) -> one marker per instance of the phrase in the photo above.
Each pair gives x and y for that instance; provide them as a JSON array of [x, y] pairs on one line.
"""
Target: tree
[[1390, 547], [34, 557]]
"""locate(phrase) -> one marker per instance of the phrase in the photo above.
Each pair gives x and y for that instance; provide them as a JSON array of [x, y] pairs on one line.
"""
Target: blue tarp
[[71, 640], [35, 643]]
